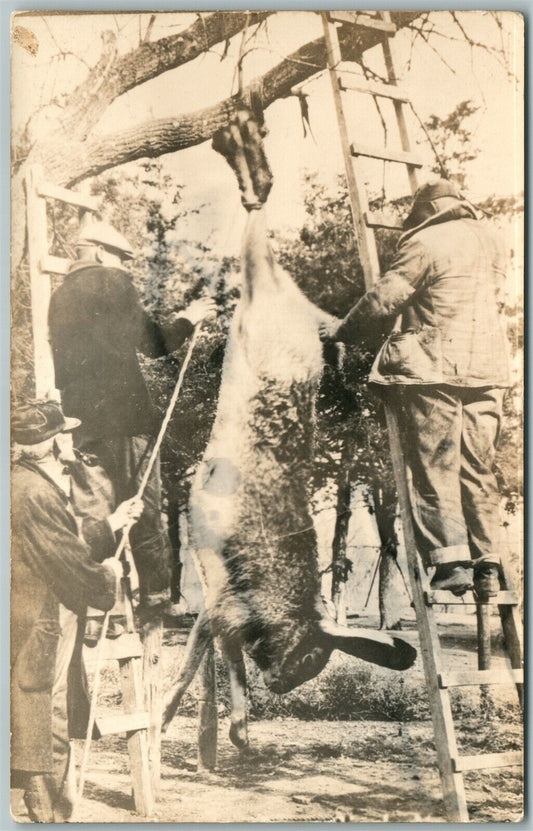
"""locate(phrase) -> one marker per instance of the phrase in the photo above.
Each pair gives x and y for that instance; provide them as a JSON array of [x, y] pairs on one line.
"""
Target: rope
[[120, 548]]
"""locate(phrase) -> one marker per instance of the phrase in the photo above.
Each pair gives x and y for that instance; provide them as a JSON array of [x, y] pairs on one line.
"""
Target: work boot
[[486, 581], [38, 798], [453, 578]]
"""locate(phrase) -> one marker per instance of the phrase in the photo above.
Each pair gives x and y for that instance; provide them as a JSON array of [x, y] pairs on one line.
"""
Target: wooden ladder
[[345, 78], [127, 649], [135, 721]]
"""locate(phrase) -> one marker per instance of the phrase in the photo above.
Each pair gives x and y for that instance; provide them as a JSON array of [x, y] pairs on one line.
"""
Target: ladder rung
[[399, 156], [487, 760], [505, 598], [377, 219], [126, 646], [349, 80], [470, 678], [69, 196], [123, 723], [54, 265], [298, 88], [364, 20]]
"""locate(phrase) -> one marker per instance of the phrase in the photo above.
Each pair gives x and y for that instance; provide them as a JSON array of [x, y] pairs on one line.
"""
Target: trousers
[[50, 795], [125, 459], [449, 437]]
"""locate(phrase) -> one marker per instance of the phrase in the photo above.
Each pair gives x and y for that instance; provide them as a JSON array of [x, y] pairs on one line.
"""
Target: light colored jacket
[[446, 285]]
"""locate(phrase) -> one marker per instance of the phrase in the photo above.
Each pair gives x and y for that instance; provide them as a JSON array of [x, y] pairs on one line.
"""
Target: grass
[[347, 690]]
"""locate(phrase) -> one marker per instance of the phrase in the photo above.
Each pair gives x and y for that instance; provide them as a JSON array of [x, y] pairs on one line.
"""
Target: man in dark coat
[[53, 571], [97, 326], [446, 363]]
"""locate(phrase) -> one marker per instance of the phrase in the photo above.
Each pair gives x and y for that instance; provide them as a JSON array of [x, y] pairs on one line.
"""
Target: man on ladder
[[97, 325], [447, 359]]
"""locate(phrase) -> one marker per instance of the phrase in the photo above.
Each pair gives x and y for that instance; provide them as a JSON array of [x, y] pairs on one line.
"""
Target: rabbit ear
[[376, 647]]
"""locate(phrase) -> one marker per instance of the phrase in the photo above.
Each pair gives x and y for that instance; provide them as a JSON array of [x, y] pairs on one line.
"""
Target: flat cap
[[101, 233]]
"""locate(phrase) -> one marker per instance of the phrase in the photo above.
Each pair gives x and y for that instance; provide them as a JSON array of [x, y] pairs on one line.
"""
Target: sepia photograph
[[267, 406]]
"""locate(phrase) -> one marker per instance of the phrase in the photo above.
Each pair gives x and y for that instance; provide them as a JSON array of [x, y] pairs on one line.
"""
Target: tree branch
[[78, 160], [145, 62]]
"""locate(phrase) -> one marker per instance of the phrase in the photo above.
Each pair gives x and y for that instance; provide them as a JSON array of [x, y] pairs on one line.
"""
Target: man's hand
[[126, 514], [116, 566], [199, 309], [328, 328]]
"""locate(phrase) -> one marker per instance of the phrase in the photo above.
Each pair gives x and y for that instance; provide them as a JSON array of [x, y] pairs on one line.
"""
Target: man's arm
[[388, 297], [159, 340], [54, 552]]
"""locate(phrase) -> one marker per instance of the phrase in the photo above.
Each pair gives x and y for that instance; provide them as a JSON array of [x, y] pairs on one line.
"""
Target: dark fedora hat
[[37, 421], [432, 199]]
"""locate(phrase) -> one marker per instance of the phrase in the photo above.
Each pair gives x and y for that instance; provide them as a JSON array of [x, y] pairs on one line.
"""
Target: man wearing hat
[[446, 363], [56, 572], [97, 325]]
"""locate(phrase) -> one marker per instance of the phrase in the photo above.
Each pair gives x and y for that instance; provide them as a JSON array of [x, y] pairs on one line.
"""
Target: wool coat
[[446, 285], [97, 325], [50, 565]]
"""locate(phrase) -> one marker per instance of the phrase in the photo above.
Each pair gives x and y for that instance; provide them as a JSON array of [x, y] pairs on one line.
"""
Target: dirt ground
[[298, 771], [325, 771]]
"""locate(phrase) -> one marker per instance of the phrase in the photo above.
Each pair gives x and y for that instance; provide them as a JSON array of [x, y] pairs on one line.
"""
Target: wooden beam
[[349, 80], [377, 219], [81, 200], [505, 598], [397, 156], [122, 723], [482, 761], [54, 265], [471, 678], [366, 21]]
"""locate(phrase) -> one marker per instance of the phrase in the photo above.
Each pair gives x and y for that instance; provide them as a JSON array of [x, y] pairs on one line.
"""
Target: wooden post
[[130, 675], [39, 283], [483, 651], [207, 711], [152, 637]]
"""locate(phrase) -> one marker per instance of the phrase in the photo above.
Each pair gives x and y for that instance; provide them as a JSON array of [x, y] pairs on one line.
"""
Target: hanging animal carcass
[[250, 524]]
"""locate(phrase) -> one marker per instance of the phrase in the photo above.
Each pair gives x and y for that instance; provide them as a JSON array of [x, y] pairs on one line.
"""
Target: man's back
[[461, 294], [96, 326]]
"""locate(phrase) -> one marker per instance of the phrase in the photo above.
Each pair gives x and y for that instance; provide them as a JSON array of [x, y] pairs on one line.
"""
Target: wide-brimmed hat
[[432, 199], [100, 233], [40, 420]]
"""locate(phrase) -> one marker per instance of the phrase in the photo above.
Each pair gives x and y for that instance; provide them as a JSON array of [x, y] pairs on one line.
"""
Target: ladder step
[[487, 760], [123, 723], [49, 191], [504, 598], [126, 646], [377, 219], [470, 678], [348, 80], [54, 265], [399, 156], [364, 20]]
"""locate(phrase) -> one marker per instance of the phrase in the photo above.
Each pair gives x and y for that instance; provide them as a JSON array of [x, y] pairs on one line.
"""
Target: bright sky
[[210, 185]]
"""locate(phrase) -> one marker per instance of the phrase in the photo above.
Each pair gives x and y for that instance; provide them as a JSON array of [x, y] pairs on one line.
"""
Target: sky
[[210, 185]]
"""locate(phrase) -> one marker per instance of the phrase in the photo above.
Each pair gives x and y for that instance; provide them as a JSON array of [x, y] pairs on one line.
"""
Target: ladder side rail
[[40, 283], [398, 105], [439, 700], [365, 237]]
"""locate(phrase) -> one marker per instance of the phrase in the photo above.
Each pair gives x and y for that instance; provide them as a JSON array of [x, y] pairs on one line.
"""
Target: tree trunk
[[339, 564], [390, 579]]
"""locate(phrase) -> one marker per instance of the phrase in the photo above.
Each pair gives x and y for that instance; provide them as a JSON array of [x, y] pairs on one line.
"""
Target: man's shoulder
[[28, 485], [91, 280]]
